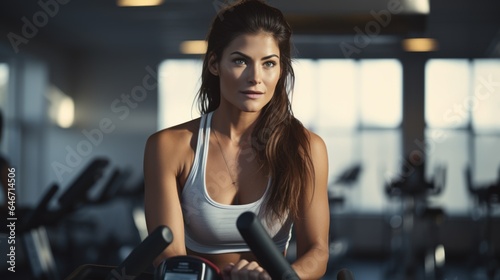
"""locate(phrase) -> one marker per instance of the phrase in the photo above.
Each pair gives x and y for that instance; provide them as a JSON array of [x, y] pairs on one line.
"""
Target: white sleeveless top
[[210, 227]]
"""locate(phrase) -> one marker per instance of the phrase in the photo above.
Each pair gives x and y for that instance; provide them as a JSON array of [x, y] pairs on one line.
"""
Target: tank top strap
[[205, 133], [200, 154], [203, 141]]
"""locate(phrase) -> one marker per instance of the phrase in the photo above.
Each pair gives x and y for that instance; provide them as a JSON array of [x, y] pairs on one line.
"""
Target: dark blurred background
[[406, 94]]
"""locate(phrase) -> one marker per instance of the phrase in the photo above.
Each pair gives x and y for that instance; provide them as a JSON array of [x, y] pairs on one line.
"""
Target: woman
[[246, 153]]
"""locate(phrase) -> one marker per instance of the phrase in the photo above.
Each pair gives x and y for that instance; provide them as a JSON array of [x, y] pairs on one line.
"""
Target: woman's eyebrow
[[247, 57]]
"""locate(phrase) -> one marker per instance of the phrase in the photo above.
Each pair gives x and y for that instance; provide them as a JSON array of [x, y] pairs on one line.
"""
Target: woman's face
[[249, 70]]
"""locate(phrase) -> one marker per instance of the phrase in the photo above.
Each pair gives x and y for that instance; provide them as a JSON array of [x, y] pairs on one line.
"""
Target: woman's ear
[[213, 65]]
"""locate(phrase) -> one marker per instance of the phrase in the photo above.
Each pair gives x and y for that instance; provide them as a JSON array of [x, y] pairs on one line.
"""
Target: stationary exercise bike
[[191, 267]]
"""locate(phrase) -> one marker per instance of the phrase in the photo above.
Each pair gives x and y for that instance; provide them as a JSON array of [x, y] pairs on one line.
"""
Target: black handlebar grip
[[143, 255], [345, 274], [264, 249]]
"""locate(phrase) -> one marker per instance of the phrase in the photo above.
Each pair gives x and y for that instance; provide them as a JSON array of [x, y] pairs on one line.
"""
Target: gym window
[[462, 101]]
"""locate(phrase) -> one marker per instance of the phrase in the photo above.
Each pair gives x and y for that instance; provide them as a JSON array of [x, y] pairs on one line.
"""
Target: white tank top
[[210, 227]]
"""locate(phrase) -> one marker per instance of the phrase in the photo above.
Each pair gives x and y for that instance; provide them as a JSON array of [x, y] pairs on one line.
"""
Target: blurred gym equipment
[[338, 189], [486, 197], [33, 226], [408, 261]]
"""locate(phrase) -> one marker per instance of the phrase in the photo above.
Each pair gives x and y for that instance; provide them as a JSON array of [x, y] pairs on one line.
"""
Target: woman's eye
[[270, 64], [239, 61]]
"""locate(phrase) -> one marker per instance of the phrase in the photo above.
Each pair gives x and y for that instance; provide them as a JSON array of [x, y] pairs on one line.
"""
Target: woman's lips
[[252, 93]]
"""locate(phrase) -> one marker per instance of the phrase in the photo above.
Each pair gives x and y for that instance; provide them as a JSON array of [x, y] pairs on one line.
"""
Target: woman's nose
[[254, 75]]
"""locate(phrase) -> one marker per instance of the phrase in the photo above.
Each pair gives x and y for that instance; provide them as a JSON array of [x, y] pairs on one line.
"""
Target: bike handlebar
[[264, 249], [144, 254]]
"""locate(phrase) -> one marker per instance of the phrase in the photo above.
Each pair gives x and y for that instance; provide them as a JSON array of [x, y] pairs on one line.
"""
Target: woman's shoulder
[[316, 142], [177, 136]]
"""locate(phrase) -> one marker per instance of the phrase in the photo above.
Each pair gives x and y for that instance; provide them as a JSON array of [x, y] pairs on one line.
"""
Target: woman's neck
[[237, 126]]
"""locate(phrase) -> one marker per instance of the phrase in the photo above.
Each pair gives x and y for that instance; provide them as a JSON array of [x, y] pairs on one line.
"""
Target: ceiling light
[[193, 47], [417, 6], [138, 3], [420, 45]]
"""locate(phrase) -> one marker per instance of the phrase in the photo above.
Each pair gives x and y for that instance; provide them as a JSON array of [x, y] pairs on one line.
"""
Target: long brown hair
[[279, 139]]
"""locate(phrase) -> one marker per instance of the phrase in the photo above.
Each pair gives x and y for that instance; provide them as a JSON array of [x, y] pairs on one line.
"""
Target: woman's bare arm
[[312, 227], [162, 164]]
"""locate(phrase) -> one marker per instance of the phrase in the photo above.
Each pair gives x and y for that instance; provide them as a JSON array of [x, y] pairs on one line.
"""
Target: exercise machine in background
[[409, 258], [486, 197], [32, 230]]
